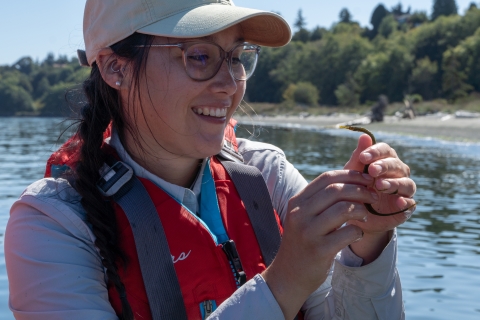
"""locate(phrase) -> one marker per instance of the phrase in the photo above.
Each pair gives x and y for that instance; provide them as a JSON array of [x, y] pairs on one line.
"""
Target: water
[[439, 247]]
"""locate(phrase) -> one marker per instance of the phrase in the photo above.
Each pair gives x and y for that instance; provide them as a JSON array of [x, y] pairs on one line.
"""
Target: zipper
[[235, 264], [207, 308]]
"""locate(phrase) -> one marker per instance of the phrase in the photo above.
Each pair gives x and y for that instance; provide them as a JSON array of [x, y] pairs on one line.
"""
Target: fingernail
[[374, 195], [367, 156], [365, 219], [409, 213], [384, 185], [367, 176], [378, 168]]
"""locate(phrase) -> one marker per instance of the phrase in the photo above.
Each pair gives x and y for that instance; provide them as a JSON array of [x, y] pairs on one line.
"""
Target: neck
[[176, 169]]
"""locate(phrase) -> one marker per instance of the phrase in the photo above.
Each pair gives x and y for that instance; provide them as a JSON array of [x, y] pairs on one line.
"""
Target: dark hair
[[103, 108]]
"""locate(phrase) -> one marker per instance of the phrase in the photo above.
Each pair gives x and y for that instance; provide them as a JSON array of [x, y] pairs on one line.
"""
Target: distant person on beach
[[153, 209], [379, 109]]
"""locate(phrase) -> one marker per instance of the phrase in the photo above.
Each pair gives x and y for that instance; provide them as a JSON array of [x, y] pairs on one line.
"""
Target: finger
[[336, 176], [342, 237], [364, 142], [403, 203], [404, 187], [335, 216], [335, 193], [376, 152], [389, 168]]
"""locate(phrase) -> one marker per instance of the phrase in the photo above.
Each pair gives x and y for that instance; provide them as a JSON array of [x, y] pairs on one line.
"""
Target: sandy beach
[[438, 126]]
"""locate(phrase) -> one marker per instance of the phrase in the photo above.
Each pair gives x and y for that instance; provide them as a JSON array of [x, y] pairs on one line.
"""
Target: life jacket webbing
[[254, 193], [158, 272]]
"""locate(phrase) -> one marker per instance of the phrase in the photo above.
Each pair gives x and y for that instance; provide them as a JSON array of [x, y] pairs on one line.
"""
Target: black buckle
[[231, 251]]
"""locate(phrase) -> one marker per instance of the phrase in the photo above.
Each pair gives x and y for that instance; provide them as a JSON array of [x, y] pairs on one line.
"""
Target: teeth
[[212, 112]]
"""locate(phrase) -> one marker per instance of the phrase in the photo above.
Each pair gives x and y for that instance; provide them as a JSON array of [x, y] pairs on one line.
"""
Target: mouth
[[211, 112]]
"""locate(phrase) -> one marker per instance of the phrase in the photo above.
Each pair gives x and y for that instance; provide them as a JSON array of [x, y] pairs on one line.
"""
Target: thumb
[[354, 163]]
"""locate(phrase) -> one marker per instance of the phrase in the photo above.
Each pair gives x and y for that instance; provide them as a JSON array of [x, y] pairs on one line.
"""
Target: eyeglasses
[[202, 60]]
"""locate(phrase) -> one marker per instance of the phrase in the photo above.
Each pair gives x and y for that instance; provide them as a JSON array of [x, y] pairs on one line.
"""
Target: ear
[[111, 67]]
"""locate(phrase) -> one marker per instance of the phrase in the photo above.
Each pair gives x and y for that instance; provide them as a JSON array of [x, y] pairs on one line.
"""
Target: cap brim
[[258, 27]]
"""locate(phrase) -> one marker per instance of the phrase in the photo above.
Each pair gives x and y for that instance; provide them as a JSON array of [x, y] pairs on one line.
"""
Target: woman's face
[[168, 118]]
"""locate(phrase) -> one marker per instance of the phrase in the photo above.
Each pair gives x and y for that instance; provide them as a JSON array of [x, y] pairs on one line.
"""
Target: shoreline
[[439, 127]]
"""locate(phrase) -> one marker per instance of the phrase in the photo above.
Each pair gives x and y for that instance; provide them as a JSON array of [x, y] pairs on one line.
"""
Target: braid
[[100, 213], [102, 109]]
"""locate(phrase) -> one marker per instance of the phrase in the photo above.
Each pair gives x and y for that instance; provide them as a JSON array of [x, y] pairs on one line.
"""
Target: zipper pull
[[207, 308], [232, 255]]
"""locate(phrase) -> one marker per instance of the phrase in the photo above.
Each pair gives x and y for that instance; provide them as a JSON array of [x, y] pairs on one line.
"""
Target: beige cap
[[108, 21]]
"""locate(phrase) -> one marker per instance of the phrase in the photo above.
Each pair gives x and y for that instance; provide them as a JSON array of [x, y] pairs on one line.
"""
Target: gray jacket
[[55, 270]]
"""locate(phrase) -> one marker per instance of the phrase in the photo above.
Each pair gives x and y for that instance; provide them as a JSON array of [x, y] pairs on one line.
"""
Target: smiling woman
[[155, 210]]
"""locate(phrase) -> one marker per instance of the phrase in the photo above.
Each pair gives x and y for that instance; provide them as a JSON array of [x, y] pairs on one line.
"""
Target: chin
[[210, 148]]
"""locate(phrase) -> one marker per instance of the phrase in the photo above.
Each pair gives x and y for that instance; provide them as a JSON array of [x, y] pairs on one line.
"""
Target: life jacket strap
[[253, 191], [158, 272]]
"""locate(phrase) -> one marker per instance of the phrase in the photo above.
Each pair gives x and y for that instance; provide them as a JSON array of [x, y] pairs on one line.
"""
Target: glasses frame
[[224, 55]]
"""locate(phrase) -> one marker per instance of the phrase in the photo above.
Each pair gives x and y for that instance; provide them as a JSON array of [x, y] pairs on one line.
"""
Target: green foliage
[[349, 65], [300, 23], [388, 26], [54, 102], [424, 77], [28, 87], [443, 8], [417, 18], [348, 93], [303, 93], [345, 16], [378, 14]]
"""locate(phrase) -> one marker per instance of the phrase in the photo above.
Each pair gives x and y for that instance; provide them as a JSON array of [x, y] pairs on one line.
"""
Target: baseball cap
[[108, 21]]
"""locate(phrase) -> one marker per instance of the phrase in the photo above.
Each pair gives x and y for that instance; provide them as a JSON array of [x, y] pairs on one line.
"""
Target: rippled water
[[439, 247]]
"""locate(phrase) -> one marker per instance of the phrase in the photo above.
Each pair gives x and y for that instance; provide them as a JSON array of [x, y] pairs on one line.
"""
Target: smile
[[212, 112]]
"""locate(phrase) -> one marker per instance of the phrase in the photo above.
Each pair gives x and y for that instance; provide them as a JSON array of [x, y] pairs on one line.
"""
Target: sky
[[55, 26]]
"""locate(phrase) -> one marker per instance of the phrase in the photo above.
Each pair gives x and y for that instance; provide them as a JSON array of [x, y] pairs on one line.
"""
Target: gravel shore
[[438, 126]]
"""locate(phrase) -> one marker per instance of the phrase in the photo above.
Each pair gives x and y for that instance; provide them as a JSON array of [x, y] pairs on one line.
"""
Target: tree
[[302, 34], [454, 83], [388, 26], [14, 99], [443, 8], [317, 33], [303, 93], [345, 16], [378, 14], [300, 23], [417, 18], [423, 80], [398, 10], [348, 93]]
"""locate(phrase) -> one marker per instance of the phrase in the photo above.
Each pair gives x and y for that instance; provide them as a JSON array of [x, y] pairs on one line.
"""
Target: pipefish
[[368, 206]]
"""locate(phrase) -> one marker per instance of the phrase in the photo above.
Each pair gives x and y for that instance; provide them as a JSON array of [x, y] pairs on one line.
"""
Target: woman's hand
[[395, 191], [313, 234]]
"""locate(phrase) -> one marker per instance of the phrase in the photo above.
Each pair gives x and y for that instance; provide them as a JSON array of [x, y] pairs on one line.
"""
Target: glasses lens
[[202, 60], [244, 60]]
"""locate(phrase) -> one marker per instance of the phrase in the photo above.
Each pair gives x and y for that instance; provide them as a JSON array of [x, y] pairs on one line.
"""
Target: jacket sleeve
[[53, 267], [351, 291]]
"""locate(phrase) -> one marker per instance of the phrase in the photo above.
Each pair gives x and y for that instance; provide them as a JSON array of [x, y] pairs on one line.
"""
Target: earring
[[113, 70], [118, 83]]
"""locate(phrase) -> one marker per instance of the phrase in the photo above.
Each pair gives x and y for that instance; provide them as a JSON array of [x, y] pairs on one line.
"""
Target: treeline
[[402, 54], [38, 88]]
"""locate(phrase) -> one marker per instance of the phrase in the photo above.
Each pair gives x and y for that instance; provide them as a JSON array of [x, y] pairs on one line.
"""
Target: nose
[[223, 81]]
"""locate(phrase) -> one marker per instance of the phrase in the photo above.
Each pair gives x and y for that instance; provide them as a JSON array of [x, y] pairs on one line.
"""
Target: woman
[[165, 81]]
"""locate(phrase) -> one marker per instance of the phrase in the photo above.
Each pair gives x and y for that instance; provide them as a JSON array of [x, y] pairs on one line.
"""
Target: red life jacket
[[202, 268]]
